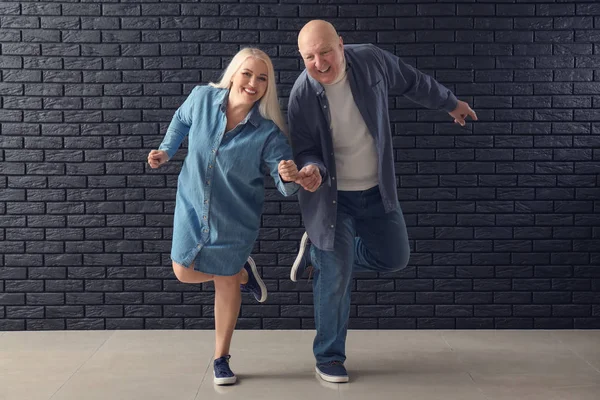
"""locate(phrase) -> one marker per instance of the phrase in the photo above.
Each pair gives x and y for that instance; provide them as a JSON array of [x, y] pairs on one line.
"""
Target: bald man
[[340, 130]]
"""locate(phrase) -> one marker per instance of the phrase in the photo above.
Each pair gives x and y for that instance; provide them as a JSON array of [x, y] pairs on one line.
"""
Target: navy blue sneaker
[[222, 372], [255, 284], [302, 262], [333, 371]]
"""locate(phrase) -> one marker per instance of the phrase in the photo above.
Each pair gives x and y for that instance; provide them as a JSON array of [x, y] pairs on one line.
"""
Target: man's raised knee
[[399, 262]]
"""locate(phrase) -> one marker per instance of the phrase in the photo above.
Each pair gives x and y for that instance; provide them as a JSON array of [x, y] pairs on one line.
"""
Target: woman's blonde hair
[[269, 103]]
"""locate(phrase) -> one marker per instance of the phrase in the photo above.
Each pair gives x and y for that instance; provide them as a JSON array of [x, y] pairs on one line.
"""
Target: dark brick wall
[[503, 214]]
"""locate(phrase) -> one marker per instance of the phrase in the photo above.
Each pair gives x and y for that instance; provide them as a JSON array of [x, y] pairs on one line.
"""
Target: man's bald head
[[317, 29], [322, 50]]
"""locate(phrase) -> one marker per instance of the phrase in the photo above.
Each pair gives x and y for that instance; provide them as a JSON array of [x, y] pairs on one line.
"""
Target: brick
[[83, 298], [45, 324], [45, 298], [454, 311], [11, 9], [415, 311], [436, 323], [586, 298], [103, 285], [12, 324], [64, 311], [434, 298], [162, 298], [123, 298], [586, 323], [24, 312], [85, 324], [124, 323], [492, 310], [296, 311], [474, 323], [571, 284], [164, 323], [553, 323], [571, 310], [19, 22], [23, 286], [513, 323]]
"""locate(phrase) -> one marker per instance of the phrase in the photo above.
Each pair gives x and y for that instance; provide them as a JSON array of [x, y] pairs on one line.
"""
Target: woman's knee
[[227, 282], [182, 273]]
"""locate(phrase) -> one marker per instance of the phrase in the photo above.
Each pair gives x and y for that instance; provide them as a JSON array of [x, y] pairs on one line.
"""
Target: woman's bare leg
[[189, 275], [228, 299]]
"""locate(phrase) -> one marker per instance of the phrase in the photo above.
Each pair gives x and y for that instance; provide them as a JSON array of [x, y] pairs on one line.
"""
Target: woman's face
[[250, 82]]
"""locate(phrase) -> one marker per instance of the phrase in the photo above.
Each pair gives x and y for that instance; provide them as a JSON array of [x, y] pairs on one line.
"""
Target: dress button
[[334, 202], [204, 217], [333, 178], [332, 226]]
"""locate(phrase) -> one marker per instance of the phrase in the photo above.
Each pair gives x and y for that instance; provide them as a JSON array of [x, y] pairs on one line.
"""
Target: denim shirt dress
[[220, 189]]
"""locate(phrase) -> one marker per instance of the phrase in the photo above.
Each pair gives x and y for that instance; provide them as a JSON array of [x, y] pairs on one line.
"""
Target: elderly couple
[[341, 167]]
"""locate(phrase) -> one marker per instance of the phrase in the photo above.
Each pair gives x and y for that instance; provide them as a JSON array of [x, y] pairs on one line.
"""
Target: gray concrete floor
[[465, 365]]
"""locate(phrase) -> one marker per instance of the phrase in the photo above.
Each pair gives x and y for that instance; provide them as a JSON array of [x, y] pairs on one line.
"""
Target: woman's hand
[[156, 158], [288, 170]]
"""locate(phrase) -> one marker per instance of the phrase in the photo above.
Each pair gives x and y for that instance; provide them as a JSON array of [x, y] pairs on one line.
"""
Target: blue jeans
[[366, 239]]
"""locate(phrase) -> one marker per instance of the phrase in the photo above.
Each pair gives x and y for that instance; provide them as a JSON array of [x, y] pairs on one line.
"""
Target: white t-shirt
[[353, 144]]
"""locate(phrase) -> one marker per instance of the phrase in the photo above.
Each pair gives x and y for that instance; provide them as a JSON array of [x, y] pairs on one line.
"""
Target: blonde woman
[[233, 127]]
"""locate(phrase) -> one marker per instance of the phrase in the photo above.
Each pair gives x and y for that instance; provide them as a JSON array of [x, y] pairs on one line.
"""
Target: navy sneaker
[[333, 371], [303, 261], [222, 372], [255, 284]]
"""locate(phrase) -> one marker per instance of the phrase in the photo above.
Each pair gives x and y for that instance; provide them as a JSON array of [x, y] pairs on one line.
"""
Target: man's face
[[322, 57]]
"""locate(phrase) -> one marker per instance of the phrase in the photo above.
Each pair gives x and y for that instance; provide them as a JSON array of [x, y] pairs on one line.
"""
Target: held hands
[[461, 112], [308, 177], [156, 158]]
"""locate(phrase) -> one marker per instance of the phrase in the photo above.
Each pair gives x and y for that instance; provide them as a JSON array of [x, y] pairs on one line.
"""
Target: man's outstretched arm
[[422, 88]]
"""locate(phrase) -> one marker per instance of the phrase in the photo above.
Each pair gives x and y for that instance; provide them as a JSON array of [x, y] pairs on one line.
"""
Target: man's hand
[[288, 170], [461, 112], [156, 158], [309, 178]]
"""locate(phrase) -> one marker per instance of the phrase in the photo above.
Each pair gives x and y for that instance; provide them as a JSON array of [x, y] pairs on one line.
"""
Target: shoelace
[[310, 270], [333, 363]]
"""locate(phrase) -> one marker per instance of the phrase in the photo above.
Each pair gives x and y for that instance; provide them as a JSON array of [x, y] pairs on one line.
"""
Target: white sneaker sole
[[263, 288], [331, 378], [298, 259], [225, 381]]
